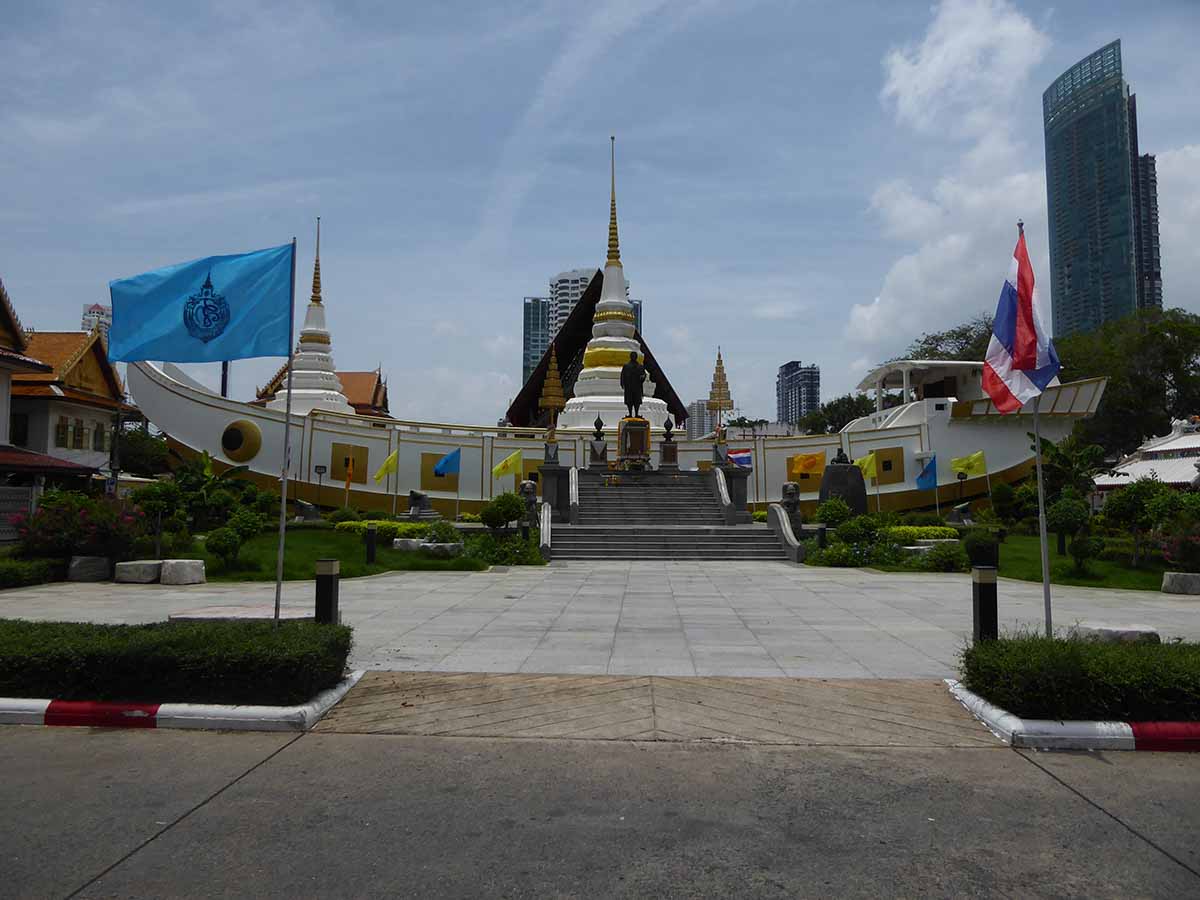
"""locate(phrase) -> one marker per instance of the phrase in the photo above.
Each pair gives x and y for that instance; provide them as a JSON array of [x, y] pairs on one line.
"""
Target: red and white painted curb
[[1046, 734], [21, 711]]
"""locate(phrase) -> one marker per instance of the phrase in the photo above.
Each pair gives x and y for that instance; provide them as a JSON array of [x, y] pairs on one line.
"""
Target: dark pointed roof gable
[[570, 343]]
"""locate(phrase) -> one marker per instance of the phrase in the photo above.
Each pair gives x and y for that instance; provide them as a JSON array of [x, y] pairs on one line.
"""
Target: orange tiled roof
[[66, 393], [366, 391]]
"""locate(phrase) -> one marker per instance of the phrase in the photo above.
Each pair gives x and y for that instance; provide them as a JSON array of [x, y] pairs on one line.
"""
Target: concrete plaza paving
[[643, 618]]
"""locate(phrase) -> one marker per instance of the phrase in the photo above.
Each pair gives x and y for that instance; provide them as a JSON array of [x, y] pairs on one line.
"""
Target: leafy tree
[[1152, 362], [1066, 517], [746, 423], [141, 453], [1004, 501], [968, 341], [833, 416], [247, 522], [225, 543], [1130, 506], [1083, 548], [1071, 464], [159, 501], [833, 512]]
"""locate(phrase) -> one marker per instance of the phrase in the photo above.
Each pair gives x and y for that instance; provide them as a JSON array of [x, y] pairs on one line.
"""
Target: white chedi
[[598, 390], [315, 385]]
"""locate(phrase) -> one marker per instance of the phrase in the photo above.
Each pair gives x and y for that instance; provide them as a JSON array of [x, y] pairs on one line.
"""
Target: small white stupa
[[598, 389], [315, 385]]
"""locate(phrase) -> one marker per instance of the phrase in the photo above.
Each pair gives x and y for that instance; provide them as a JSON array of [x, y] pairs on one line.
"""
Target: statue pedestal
[[633, 444], [668, 459]]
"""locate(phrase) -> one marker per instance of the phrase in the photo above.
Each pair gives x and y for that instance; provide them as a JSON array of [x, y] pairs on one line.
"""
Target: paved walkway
[[812, 712], [638, 618]]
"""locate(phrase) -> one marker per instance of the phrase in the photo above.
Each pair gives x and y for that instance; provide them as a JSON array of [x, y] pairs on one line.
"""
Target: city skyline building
[[701, 420], [536, 319], [97, 315], [797, 391], [1102, 197]]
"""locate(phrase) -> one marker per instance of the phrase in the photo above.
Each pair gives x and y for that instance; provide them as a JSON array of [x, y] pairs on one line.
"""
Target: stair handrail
[[573, 496], [781, 524], [544, 517], [727, 509]]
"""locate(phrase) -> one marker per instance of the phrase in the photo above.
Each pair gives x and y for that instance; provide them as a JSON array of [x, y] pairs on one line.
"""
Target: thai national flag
[[740, 458], [1021, 361]]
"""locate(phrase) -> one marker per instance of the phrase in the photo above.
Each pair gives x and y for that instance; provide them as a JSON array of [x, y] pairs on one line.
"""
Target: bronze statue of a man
[[632, 376]]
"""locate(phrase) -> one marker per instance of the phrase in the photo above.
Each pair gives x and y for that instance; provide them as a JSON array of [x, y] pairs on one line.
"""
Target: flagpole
[[287, 441], [396, 474], [1037, 441]]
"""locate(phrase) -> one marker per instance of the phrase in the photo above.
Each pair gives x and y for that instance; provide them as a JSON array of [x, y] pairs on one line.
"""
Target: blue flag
[[448, 464], [927, 480], [207, 310]]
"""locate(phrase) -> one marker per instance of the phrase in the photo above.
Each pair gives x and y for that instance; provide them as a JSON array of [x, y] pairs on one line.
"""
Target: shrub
[[386, 531], [760, 515], [247, 522], [510, 505], [1025, 501], [885, 554], [505, 550], [1027, 526], [342, 514], [1047, 678], [910, 534], [1066, 516], [469, 517], [859, 530], [198, 662], [1180, 543], [225, 543], [69, 523], [21, 572], [1003, 501], [442, 532], [1083, 548], [921, 518], [179, 542], [267, 504], [981, 547], [1129, 507], [839, 555], [941, 558], [833, 512]]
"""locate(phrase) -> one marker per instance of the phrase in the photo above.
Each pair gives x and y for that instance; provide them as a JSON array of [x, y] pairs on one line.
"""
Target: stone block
[[139, 571], [88, 568], [442, 551], [1181, 583], [409, 545], [1115, 634], [182, 571]]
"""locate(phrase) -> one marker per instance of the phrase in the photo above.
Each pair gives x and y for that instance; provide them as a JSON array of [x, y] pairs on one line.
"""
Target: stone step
[[755, 554]]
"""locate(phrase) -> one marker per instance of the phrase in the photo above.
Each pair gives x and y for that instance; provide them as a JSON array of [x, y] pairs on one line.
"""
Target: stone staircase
[[655, 515]]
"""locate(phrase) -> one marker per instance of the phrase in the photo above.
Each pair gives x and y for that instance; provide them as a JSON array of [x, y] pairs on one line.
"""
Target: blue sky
[[796, 180]]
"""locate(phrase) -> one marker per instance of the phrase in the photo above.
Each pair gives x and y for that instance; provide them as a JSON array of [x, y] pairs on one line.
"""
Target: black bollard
[[822, 538], [984, 613], [371, 535], [326, 612]]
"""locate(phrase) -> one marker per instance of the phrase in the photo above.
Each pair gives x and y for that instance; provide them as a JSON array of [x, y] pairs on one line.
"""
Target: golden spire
[[718, 396], [316, 294], [614, 247]]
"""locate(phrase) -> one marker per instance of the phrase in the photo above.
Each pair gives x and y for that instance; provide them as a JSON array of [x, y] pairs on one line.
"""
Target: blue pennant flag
[[449, 464], [927, 480], [207, 310]]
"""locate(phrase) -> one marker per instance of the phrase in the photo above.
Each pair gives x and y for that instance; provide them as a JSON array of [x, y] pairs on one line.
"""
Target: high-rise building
[[96, 315], [536, 332], [797, 391], [1102, 197], [565, 290], [701, 420]]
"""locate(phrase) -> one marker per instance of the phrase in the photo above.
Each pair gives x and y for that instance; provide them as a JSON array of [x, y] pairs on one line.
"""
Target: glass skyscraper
[[1102, 197], [797, 391], [535, 333]]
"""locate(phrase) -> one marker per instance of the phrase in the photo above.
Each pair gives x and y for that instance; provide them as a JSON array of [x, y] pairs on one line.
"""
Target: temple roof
[[570, 342], [79, 370], [366, 391]]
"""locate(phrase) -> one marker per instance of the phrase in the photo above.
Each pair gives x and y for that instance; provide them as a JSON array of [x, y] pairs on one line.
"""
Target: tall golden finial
[[316, 294], [614, 246]]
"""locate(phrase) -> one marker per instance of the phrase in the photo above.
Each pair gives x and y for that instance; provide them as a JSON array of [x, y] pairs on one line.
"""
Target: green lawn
[[304, 548], [1021, 558]]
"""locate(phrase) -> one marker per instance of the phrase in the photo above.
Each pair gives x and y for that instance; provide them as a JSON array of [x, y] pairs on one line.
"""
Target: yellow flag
[[867, 464], [972, 464], [391, 464], [805, 464], [509, 466]]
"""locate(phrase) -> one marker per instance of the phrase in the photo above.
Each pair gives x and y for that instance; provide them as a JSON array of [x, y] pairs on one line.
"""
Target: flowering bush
[[1180, 542], [68, 523]]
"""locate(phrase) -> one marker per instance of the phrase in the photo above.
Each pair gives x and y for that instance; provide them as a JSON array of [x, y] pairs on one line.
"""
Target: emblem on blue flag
[[206, 313]]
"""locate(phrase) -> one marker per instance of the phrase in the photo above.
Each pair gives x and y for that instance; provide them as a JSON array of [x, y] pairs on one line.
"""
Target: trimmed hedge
[[183, 662], [1042, 678], [385, 530], [910, 534], [23, 572]]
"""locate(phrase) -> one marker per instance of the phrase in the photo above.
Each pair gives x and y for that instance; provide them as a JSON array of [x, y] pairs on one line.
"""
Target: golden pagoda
[[719, 398], [552, 399]]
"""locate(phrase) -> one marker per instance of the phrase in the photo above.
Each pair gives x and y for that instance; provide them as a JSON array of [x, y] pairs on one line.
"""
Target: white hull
[[197, 418]]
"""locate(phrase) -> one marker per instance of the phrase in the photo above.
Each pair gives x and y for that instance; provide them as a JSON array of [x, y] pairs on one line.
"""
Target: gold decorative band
[[611, 314], [607, 357]]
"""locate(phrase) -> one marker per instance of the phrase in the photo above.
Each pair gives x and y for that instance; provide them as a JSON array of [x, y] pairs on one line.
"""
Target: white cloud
[[501, 345], [777, 309], [962, 79], [971, 63]]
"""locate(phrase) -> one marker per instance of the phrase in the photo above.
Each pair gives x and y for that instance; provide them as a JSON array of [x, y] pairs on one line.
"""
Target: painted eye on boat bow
[[241, 440]]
